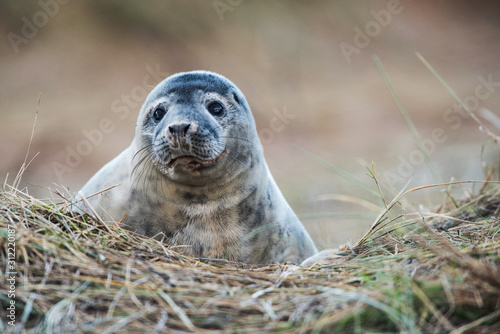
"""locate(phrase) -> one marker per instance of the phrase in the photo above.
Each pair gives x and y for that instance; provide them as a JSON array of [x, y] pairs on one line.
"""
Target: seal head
[[194, 126], [195, 176]]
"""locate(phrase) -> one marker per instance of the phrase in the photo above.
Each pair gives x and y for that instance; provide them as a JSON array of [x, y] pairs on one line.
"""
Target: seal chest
[[195, 174]]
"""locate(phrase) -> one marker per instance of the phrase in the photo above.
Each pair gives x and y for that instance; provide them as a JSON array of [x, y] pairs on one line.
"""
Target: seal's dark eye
[[215, 108], [158, 114]]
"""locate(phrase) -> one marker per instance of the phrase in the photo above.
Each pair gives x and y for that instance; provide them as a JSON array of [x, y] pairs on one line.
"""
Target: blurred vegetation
[[281, 54]]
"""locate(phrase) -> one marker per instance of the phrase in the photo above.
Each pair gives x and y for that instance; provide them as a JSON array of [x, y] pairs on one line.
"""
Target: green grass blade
[[457, 98], [445, 84], [338, 171], [407, 119]]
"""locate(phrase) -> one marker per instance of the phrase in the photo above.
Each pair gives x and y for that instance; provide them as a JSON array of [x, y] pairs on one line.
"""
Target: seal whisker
[[141, 150], [234, 137], [162, 180], [143, 172], [225, 152], [242, 139], [148, 180], [230, 154], [143, 159], [138, 164]]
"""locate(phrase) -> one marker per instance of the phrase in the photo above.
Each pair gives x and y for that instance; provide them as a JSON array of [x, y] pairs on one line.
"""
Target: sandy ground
[[94, 63]]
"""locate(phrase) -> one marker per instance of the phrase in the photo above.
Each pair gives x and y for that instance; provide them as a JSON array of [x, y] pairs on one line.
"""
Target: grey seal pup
[[195, 176]]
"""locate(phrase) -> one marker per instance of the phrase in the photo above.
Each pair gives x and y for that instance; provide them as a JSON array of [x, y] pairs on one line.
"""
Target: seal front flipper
[[105, 194]]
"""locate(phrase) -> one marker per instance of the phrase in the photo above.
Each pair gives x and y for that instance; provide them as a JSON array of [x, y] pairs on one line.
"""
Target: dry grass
[[76, 275]]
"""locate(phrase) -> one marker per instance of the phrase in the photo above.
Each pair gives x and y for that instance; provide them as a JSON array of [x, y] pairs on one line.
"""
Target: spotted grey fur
[[195, 175]]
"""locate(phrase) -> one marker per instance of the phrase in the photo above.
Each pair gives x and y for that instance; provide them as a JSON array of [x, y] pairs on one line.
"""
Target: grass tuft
[[422, 272]]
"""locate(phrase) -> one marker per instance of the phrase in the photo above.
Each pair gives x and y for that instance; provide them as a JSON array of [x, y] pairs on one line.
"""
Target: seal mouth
[[193, 163]]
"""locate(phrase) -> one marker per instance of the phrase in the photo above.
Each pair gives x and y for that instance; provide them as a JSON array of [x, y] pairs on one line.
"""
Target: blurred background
[[310, 65]]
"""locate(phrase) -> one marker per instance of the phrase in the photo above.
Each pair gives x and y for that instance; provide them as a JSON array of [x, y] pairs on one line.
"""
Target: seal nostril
[[179, 129]]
